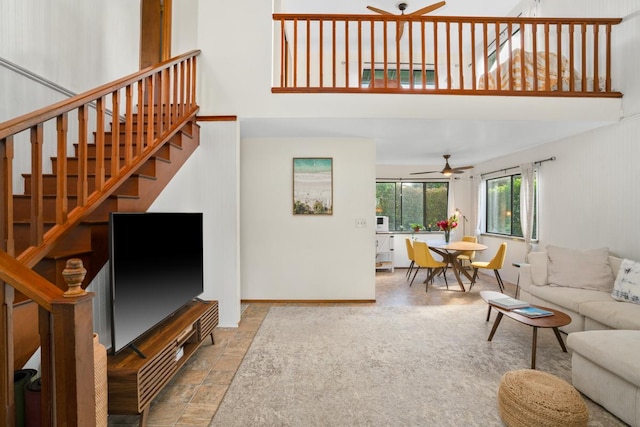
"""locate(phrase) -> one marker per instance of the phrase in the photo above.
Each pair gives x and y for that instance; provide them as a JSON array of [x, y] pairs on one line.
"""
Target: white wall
[[589, 195], [307, 257], [75, 43], [208, 182], [184, 26]]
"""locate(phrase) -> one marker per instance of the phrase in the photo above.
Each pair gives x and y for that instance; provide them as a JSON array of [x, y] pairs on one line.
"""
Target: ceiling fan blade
[[464, 167], [380, 11], [421, 173], [428, 9], [457, 171]]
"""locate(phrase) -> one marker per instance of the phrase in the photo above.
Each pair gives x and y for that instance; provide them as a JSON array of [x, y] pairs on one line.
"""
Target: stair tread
[[74, 196], [135, 175], [121, 158]]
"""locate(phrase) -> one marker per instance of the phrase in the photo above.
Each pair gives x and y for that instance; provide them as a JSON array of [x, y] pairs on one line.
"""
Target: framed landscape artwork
[[312, 186]]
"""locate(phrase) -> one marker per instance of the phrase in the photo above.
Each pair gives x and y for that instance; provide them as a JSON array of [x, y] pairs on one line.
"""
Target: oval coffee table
[[554, 322]]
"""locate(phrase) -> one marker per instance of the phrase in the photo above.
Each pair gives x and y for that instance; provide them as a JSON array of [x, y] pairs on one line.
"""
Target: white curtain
[[527, 172], [479, 203], [451, 203]]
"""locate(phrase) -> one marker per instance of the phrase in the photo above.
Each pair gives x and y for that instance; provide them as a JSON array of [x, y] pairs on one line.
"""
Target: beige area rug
[[384, 366]]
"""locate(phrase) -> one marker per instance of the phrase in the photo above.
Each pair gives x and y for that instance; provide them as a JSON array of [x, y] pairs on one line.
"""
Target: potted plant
[[416, 227]]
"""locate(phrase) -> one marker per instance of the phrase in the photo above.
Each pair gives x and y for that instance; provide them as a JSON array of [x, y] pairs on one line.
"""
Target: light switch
[[361, 222]]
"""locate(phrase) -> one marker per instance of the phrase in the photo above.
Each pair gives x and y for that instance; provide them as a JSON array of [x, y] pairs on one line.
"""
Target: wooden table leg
[[533, 347], [465, 272], [557, 332], [495, 325], [454, 267]]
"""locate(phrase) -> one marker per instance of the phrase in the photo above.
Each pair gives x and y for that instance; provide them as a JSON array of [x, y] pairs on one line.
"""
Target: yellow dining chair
[[468, 255], [423, 258], [495, 264], [411, 257]]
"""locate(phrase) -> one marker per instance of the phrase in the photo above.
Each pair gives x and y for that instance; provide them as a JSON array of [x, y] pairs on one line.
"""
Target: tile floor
[[192, 397]]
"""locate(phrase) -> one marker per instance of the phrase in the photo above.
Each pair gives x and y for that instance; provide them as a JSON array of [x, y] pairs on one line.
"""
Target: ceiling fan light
[[446, 173]]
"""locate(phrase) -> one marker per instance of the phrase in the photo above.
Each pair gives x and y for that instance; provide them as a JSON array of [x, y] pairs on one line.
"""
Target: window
[[405, 81], [407, 203], [503, 206]]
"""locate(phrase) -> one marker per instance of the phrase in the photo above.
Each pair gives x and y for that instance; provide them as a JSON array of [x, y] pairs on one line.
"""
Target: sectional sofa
[[601, 294]]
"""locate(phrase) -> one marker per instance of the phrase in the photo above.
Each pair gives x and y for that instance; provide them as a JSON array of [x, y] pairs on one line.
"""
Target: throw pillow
[[627, 284], [584, 269]]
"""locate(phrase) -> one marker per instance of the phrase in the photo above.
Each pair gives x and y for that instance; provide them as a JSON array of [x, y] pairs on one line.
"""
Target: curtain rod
[[516, 167], [412, 179]]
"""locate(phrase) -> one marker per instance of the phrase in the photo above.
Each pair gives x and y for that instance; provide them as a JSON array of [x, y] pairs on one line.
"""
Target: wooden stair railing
[[164, 97], [66, 330], [323, 53]]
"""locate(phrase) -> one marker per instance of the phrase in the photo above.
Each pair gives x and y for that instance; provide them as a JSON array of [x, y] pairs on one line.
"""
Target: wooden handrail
[[170, 85], [564, 56], [28, 282], [44, 114]]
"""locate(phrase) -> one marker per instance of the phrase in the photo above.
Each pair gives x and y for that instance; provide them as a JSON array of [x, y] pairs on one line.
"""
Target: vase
[[100, 376], [447, 235]]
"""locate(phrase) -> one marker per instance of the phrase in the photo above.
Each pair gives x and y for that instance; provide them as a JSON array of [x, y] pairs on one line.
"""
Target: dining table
[[449, 252]]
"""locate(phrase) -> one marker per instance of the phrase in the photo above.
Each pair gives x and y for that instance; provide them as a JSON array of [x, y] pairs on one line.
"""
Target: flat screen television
[[156, 267]]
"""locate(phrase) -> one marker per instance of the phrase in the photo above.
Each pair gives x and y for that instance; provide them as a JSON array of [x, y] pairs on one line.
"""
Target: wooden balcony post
[[115, 134], [7, 404], [62, 204], [100, 161], [6, 195], [73, 373], [37, 215], [83, 177]]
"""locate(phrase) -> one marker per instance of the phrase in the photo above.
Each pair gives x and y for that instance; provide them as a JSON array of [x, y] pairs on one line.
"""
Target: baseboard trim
[[307, 301]]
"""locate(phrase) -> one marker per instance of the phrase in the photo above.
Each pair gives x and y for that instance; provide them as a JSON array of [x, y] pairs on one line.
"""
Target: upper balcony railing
[[443, 55]]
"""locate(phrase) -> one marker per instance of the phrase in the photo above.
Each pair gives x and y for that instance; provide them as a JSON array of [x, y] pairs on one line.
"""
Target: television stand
[[135, 381]]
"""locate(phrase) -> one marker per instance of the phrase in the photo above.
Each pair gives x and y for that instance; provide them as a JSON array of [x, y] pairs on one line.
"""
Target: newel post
[[73, 373], [72, 349]]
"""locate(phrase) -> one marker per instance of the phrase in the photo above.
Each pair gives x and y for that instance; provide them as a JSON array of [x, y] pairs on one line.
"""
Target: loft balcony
[[402, 54]]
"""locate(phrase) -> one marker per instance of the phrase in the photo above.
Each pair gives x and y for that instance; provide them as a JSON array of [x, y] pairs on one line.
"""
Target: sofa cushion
[[584, 269], [617, 351], [538, 262], [614, 314], [627, 284], [615, 262], [570, 298]]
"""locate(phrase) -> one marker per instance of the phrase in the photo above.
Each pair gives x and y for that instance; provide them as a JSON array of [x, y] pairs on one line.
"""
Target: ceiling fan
[[402, 6], [447, 170]]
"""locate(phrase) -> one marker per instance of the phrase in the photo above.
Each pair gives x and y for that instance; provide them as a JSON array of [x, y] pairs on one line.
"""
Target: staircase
[[88, 241], [65, 215]]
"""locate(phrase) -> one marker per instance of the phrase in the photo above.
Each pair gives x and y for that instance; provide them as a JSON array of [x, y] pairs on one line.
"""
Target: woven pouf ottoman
[[533, 398]]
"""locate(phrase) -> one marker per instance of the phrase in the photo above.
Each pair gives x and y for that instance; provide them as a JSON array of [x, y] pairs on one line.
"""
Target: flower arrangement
[[447, 225]]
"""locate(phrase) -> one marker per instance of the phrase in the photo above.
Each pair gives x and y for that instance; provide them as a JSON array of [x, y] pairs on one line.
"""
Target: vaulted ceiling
[[422, 141]]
